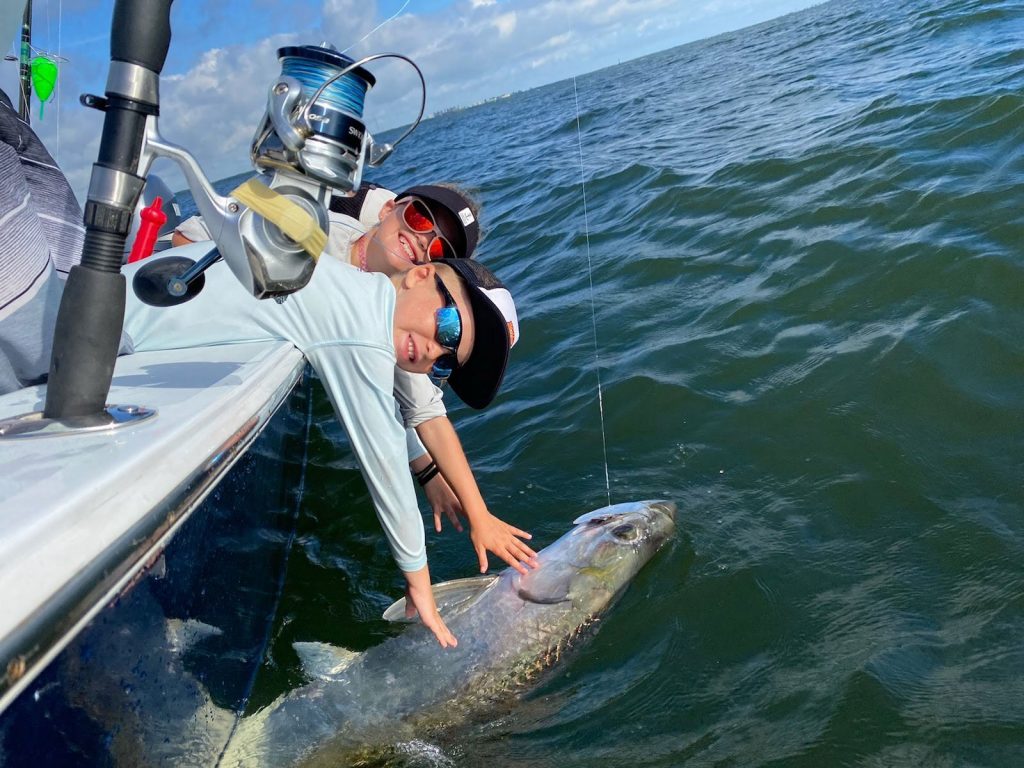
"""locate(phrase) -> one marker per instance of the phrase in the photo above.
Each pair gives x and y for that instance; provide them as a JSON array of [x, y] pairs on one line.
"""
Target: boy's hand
[[442, 500], [489, 534], [420, 599]]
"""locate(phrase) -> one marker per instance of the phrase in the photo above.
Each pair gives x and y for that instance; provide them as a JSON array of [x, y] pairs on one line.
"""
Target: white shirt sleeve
[[342, 232], [369, 214], [419, 400], [353, 379], [342, 322]]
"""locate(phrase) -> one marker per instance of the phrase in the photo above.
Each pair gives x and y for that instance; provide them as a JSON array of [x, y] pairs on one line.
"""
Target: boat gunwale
[[28, 648]]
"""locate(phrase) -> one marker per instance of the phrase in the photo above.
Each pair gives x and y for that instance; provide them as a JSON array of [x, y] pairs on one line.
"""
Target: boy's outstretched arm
[[379, 443], [487, 532]]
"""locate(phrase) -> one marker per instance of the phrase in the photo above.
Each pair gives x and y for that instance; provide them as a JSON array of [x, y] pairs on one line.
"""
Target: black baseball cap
[[477, 380]]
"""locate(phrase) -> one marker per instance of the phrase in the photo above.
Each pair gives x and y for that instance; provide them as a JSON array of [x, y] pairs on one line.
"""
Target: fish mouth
[[655, 518], [666, 508], [661, 517]]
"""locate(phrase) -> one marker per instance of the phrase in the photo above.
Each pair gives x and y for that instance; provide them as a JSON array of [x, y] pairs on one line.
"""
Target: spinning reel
[[311, 144]]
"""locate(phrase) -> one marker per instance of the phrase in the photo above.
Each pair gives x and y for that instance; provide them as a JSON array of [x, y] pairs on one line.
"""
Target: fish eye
[[597, 521], [625, 531]]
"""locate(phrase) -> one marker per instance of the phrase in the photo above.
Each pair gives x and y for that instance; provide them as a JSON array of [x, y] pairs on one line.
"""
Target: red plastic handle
[[153, 218]]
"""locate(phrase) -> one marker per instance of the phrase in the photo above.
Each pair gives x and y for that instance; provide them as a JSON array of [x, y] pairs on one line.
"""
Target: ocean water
[[792, 257], [777, 277]]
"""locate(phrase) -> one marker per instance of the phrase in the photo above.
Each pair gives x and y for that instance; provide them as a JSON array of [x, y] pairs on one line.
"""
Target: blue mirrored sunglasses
[[448, 335]]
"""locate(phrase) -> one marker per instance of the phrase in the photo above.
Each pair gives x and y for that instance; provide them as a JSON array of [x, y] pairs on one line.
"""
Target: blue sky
[[223, 58]]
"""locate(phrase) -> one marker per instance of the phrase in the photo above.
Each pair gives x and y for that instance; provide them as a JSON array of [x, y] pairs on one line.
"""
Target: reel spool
[[313, 124]]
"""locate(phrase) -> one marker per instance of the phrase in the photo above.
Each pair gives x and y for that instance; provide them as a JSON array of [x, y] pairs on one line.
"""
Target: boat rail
[[83, 515]]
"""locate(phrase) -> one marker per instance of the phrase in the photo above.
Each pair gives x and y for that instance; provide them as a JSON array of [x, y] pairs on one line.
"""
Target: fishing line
[[345, 94], [60, 30], [386, 21], [593, 311]]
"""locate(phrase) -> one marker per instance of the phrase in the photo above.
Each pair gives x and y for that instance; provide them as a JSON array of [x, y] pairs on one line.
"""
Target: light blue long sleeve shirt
[[342, 322]]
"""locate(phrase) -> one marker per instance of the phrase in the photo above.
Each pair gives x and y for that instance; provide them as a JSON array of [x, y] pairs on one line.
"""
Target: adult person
[[452, 317], [41, 238], [378, 231]]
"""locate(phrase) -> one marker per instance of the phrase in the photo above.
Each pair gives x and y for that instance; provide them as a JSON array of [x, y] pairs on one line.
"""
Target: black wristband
[[420, 473], [427, 474]]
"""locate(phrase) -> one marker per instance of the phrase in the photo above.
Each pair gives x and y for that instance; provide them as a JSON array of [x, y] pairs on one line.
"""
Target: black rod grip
[[141, 32], [91, 314], [86, 340]]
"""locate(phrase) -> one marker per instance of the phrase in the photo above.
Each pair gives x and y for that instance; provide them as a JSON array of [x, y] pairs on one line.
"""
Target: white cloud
[[468, 51], [558, 41], [505, 24], [346, 21]]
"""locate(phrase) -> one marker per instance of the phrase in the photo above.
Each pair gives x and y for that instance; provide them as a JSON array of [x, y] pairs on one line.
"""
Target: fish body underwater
[[510, 627]]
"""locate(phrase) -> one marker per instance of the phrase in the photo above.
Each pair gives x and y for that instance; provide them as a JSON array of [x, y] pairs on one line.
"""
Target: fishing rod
[[24, 65], [91, 314]]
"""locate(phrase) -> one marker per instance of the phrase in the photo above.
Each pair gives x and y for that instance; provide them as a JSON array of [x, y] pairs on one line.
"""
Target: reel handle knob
[[153, 218], [172, 280]]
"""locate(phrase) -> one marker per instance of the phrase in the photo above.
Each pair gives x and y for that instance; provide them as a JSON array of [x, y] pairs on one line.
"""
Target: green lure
[[44, 79]]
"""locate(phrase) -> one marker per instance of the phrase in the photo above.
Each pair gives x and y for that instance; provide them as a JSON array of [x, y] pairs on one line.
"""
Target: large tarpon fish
[[509, 627]]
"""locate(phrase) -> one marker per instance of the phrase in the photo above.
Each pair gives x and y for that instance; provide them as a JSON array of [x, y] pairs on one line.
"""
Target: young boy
[[447, 317]]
